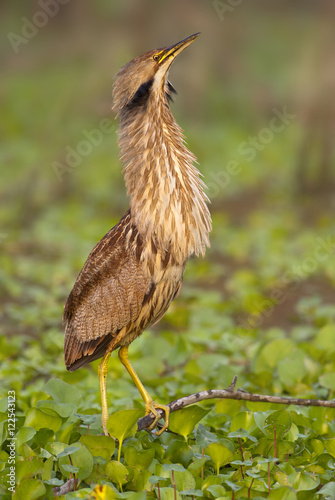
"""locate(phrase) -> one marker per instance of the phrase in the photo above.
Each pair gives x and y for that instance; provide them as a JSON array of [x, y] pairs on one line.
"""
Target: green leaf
[[39, 419], [328, 491], [167, 493], [242, 420], [48, 465], [117, 472], [330, 446], [178, 451], [54, 482], [184, 480], [273, 352], [219, 454], [325, 339], [328, 380], [292, 368], [62, 392], [81, 458], [217, 490], [70, 468], [69, 450], [209, 481], [64, 410], [301, 481], [99, 446], [204, 437], [24, 434], [30, 489], [123, 424], [183, 421], [281, 420], [26, 468], [282, 493], [138, 458]]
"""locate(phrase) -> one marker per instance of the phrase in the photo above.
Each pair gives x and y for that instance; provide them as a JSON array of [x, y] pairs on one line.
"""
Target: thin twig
[[231, 393]]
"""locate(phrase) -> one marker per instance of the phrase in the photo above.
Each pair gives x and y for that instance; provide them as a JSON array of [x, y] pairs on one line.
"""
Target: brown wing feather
[[107, 296]]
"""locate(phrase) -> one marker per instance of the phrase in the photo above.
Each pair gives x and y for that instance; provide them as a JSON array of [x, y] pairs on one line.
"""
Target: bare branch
[[65, 488], [230, 393]]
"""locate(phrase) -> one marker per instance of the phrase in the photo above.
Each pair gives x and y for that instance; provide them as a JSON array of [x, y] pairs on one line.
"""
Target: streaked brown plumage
[[136, 270]]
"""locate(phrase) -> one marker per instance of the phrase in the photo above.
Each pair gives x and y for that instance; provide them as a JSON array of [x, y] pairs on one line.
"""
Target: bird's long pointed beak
[[175, 49]]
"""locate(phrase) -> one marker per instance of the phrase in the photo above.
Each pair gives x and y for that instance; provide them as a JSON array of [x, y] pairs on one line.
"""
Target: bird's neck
[[167, 201]]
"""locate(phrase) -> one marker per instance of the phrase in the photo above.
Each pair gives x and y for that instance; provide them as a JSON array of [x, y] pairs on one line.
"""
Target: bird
[[136, 270]]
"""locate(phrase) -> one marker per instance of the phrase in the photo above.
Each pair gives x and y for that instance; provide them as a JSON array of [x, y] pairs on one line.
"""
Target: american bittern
[[134, 273]]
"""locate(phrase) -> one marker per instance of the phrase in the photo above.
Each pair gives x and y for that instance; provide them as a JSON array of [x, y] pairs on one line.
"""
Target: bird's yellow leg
[[150, 405], [103, 370]]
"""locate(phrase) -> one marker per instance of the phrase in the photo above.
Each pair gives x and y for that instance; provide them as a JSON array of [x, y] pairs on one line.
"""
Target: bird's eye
[[155, 57]]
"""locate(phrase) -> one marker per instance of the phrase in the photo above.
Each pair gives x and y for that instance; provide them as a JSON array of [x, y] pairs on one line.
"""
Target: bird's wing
[[107, 295]]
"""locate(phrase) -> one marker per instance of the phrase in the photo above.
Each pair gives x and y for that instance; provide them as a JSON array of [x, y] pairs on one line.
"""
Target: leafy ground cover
[[259, 306]]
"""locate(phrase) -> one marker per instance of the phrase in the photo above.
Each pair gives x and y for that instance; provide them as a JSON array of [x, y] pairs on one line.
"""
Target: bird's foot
[[152, 407]]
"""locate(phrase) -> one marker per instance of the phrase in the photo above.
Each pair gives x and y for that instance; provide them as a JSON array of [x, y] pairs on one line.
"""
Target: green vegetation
[[260, 305]]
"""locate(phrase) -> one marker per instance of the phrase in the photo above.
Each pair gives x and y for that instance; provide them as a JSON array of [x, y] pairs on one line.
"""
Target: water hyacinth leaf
[[183, 421], [204, 437], [328, 491], [273, 352], [54, 482], [179, 452], [173, 467], [243, 420], [301, 481], [138, 458], [64, 410], [70, 468], [328, 381], [283, 493], [24, 435], [99, 446], [117, 472], [209, 481], [167, 493], [325, 338], [43, 436], [69, 450], [48, 466], [81, 458], [242, 434], [192, 493], [220, 455], [39, 419], [61, 392], [86, 419], [56, 447], [330, 446], [184, 480], [24, 469], [30, 489], [123, 424], [280, 420], [217, 490], [197, 464]]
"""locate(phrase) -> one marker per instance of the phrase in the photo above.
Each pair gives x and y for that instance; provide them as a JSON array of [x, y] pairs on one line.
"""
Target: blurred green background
[[270, 270]]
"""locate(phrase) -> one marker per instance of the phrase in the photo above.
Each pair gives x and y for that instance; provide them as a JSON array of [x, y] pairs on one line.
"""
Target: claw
[[152, 407]]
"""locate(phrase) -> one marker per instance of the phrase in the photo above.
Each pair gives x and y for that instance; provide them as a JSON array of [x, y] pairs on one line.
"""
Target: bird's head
[[145, 74]]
